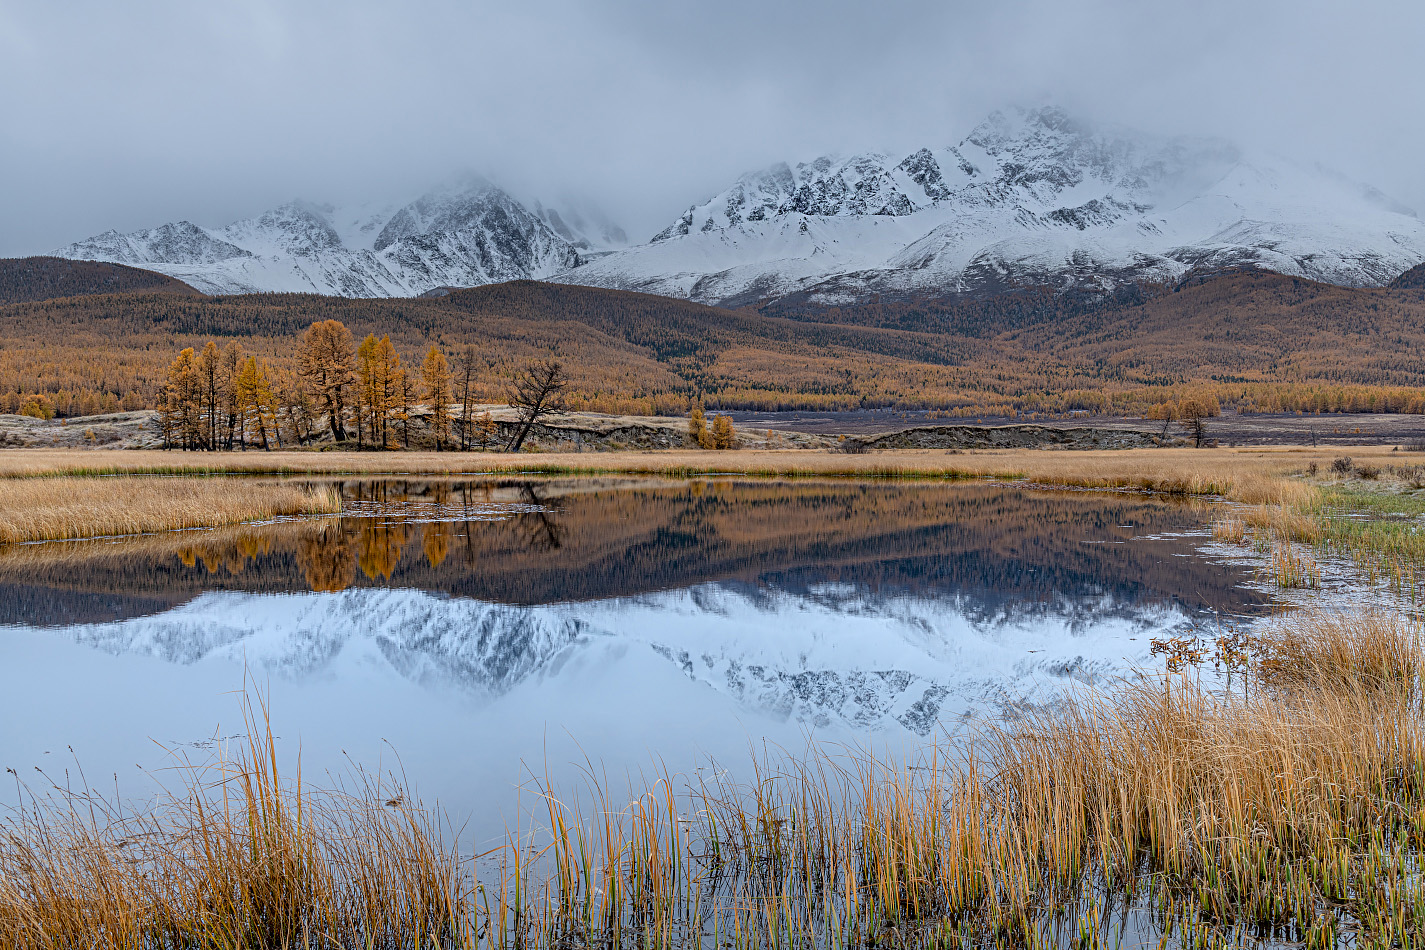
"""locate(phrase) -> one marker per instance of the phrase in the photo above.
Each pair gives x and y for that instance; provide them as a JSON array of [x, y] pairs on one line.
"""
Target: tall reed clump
[[56, 509], [1291, 569], [238, 857], [1292, 810]]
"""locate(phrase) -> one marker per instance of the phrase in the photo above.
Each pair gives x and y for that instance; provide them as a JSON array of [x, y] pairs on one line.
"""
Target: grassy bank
[[1291, 810], [85, 507], [237, 857]]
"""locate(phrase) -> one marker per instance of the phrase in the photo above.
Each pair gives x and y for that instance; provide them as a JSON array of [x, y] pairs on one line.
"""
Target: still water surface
[[488, 631]]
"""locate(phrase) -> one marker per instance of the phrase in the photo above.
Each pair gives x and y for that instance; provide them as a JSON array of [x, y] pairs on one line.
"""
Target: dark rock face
[[1018, 437], [566, 438]]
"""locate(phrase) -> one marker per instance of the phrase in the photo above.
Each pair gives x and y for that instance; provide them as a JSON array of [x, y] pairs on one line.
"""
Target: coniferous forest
[[1250, 342]]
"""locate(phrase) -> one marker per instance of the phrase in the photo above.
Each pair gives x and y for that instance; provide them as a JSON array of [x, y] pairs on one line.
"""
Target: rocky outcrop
[[559, 437], [1014, 437]]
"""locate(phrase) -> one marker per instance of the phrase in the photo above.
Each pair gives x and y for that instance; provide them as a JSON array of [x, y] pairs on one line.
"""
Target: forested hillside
[[1253, 340], [43, 278]]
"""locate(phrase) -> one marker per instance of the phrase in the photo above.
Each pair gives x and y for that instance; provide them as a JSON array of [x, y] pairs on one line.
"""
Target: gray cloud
[[129, 115]]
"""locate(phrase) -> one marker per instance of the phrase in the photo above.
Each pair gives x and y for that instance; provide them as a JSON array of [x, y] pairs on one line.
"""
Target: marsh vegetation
[[1291, 808], [55, 509]]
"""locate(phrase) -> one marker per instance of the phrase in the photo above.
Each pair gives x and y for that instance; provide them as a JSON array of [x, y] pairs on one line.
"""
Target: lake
[[481, 633]]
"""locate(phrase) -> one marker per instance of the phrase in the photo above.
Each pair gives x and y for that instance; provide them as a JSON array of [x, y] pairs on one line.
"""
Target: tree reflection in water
[[530, 541], [327, 558]]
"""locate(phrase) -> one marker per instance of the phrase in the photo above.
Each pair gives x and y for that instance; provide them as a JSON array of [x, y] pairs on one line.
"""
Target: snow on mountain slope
[[582, 223], [465, 234], [1028, 197]]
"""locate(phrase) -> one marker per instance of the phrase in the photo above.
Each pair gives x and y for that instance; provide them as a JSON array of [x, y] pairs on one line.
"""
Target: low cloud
[[129, 115]]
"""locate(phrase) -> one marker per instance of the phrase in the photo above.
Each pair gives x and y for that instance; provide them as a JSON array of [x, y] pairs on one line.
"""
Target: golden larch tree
[[325, 357], [698, 427], [435, 393], [722, 435], [180, 407], [384, 392]]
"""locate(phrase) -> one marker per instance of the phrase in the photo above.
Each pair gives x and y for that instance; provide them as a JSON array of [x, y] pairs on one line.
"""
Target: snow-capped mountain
[[1029, 197], [465, 234]]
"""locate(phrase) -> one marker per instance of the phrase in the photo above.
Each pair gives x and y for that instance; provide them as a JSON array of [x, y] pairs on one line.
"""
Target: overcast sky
[[127, 115]]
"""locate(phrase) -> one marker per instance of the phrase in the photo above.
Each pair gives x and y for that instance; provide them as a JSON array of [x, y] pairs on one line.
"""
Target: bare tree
[[1191, 413], [465, 372], [538, 391], [1166, 411]]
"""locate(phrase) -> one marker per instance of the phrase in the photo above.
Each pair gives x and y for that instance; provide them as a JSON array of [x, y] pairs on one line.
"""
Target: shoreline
[[1031, 463], [48, 494]]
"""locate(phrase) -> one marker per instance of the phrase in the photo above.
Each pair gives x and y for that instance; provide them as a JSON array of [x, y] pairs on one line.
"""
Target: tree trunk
[[520, 435]]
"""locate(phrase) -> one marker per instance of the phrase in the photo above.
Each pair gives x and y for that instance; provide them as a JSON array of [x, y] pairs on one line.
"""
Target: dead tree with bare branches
[[538, 391]]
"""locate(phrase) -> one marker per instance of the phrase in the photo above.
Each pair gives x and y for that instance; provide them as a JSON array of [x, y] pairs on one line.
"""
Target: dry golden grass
[[1248, 475], [1338, 651], [1231, 530], [1296, 811], [47, 509], [81, 507], [1284, 522]]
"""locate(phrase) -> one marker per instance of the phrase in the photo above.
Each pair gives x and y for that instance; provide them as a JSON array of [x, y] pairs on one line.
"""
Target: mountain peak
[[1004, 126], [1031, 196]]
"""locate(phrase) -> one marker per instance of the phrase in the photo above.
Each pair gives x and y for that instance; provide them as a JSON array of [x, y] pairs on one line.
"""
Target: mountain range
[[1030, 197]]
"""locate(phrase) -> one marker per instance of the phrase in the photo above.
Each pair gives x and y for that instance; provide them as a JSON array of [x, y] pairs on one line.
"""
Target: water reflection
[[533, 542], [821, 602], [554, 619]]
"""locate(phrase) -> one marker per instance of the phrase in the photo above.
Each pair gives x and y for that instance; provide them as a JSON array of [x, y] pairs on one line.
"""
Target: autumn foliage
[[1248, 342]]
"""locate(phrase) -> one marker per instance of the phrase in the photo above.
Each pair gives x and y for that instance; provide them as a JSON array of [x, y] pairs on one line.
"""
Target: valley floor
[[1283, 428], [590, 431]]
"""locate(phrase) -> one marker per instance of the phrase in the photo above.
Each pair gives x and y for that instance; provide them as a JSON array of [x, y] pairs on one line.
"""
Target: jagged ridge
[[464, 235], [1029, 197], [833, 655]]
